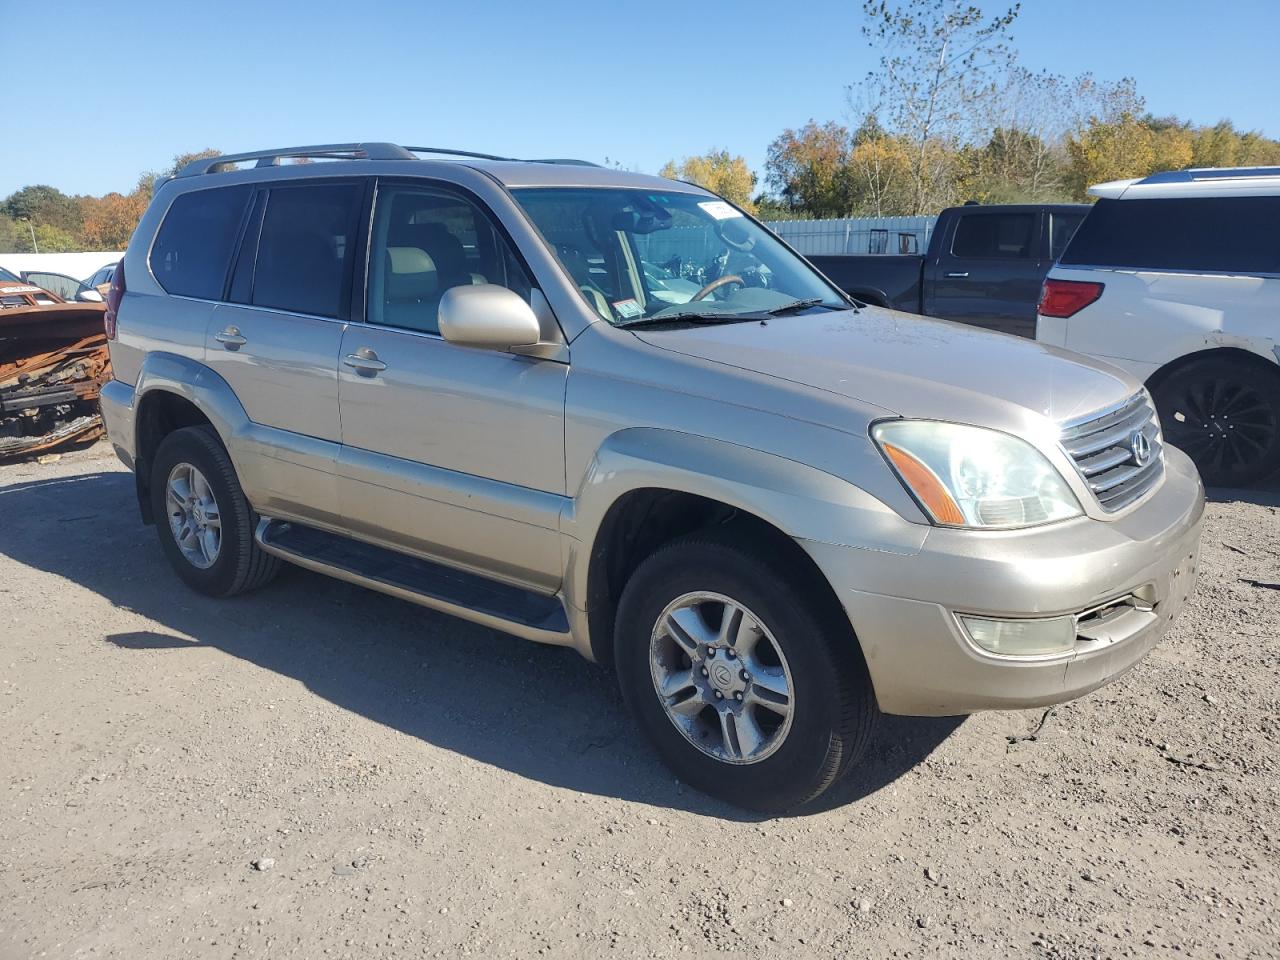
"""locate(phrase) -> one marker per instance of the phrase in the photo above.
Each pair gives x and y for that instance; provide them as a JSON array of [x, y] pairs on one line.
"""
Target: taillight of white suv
[[1064, 298]]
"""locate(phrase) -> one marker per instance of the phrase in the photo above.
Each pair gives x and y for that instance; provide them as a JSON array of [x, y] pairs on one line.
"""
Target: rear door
[[276, 341], [989, 271]]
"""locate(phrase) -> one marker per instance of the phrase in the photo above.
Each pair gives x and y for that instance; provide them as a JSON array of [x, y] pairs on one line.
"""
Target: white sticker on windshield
[[627, 309], [720, 210]]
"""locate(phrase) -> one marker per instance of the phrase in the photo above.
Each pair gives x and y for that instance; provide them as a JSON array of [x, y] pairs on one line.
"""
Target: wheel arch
[[647, 486], [1231, 354], [175, 392]]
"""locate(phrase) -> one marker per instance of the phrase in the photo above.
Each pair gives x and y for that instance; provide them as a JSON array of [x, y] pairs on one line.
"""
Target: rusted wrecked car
[[53, 362]]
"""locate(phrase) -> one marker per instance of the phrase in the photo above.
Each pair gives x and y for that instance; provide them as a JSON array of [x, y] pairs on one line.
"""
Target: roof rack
[[344, 151], [1211, 173]]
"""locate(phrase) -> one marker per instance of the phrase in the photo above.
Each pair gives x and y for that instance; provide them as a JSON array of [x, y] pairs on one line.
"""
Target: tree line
[[43, 219], [948, 115]]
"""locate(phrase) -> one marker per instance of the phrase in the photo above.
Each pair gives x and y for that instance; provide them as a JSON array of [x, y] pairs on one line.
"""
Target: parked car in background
[[984, 266], [775, 512], [1176, 278], [90, 290]]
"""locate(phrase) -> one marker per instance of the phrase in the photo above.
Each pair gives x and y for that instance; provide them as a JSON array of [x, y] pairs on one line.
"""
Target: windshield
[[639, 255], [8, 277]]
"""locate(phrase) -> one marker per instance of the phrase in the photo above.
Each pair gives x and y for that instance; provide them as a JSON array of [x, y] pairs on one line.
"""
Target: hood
[[910, 365]]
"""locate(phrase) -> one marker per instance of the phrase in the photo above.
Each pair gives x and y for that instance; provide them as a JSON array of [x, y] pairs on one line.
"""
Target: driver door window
[[424, 243]]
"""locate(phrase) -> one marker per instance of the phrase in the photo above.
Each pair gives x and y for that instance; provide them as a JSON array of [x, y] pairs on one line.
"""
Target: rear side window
[[1207, 234], [1000, 236], [306, 249], [1062, 227], [193, 248]]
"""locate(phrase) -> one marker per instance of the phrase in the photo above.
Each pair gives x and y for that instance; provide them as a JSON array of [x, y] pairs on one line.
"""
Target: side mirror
[[89, 295], [489, 316]]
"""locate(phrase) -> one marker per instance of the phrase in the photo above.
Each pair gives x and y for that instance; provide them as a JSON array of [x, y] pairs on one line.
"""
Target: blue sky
[[636, 83]]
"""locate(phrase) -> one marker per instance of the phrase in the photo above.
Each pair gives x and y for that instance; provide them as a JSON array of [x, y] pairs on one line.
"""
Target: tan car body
[[517, 467]]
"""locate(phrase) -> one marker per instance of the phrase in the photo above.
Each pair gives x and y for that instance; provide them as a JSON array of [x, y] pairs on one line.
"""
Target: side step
[[465, 595]]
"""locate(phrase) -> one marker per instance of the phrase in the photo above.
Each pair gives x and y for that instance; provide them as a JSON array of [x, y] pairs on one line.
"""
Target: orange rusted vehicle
[[53, 362]]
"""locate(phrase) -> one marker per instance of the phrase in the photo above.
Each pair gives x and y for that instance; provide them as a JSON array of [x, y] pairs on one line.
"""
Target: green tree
[[808, 169], [42, 204]]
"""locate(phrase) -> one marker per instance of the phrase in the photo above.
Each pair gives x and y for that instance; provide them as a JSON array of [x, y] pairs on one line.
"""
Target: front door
[[453, 452], [990, 273]]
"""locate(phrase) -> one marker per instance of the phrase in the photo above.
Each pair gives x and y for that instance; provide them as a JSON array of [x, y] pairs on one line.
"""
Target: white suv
[[1176, 278]]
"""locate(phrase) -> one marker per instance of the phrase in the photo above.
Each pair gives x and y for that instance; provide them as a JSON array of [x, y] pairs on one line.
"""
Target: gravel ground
[[319, 771]]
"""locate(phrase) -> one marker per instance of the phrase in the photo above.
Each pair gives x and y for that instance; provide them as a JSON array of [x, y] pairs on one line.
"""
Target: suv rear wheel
[[204, 522], [750, 686], [1225, 415]]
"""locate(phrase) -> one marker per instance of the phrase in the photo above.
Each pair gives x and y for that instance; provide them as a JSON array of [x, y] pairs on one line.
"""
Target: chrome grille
[[1106, 446]]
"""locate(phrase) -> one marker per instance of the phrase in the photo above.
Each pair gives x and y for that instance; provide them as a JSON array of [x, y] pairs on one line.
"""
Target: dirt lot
[[429, 788]]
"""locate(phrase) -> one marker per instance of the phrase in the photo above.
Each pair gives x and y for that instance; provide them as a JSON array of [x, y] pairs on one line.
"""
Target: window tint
[[192, 249], [1004, 236], [1212, 234], [1061, 228], [425, 242], [306, 248]]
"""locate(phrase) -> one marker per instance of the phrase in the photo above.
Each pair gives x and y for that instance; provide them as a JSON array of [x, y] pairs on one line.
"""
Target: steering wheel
[[716, 285]]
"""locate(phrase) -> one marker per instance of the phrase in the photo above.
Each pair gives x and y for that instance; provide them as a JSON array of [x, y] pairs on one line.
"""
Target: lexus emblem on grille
[[1141, 448]]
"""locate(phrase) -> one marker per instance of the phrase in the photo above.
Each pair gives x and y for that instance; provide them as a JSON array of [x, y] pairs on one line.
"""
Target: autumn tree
[[809, 169], [109, 221], [718, 171]]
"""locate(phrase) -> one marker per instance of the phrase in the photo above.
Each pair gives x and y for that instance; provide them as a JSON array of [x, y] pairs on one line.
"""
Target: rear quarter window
[[193, 247], [1203, 234]]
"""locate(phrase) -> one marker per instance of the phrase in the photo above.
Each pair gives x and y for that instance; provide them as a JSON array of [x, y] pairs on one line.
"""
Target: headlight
[[973, 477]]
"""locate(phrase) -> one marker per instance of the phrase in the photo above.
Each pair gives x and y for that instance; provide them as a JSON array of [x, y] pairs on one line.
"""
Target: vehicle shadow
[[539, 712], [1265, 494]]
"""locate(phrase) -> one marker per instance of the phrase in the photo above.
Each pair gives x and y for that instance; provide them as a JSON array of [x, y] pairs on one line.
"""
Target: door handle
[[364, 361], [957, 274], [230, 338]]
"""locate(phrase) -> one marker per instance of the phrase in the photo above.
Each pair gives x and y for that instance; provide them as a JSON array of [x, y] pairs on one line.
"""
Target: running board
[[469, 596]]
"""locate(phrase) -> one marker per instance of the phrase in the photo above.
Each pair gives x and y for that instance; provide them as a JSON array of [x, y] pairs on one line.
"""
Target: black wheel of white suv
[[204, 522], [1225, 415], [748, 682]]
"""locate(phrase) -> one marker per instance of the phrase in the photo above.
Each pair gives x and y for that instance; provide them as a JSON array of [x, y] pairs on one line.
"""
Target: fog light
[[1022, 638]]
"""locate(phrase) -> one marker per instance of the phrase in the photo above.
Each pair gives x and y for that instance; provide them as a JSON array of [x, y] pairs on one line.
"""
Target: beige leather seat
[[411, 291]]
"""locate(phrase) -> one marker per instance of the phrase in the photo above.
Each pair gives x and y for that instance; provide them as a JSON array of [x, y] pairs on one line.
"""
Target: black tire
[[1225, 415], [833, 704], [240, 564]]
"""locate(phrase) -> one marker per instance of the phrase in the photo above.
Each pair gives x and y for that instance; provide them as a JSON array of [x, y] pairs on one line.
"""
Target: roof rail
[[457, 153], [272, 158], [343, 151], [1211, 173]]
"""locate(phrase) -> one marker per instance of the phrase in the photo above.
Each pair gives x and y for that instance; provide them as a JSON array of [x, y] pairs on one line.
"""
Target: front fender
[[799, 500]]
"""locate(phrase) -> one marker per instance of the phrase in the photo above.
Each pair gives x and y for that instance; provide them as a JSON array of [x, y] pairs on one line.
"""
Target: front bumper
[[903, 606]]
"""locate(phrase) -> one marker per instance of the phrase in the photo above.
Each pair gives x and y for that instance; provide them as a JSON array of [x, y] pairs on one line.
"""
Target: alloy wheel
[[1223, 426], [722, 677], [193, 513]]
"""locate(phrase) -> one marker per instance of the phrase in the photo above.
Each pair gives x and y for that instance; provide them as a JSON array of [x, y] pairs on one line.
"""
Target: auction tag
[[719, 210], [627, 309]]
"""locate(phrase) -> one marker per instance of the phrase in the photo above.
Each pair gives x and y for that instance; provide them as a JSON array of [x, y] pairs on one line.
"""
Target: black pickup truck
[[985, 266]]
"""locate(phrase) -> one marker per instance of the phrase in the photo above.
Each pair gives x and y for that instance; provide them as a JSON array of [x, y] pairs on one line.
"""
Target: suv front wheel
[[204, 522], [748, 682]]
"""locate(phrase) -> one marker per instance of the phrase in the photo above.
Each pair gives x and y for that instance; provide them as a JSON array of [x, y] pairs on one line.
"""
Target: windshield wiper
[[799, 305], [705, 319]]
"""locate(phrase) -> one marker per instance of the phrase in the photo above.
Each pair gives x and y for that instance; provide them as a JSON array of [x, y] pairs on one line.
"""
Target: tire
[[237, 564], [830, 703], [1225, 415]]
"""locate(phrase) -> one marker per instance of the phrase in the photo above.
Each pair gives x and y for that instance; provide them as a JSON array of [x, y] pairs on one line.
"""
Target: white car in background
[[1176, 278]]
